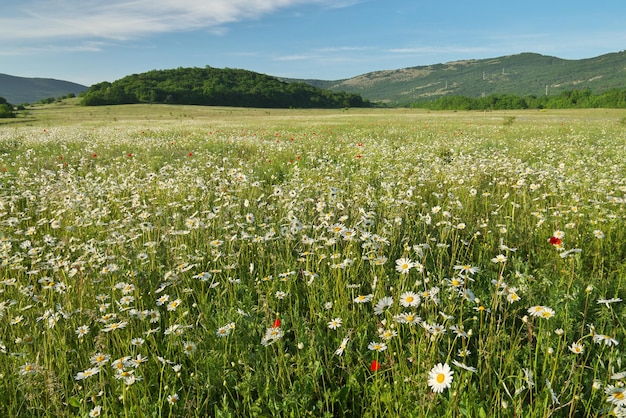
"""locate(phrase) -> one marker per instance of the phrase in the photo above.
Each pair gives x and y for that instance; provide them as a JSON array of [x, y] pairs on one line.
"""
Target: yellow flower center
[[440, 378]]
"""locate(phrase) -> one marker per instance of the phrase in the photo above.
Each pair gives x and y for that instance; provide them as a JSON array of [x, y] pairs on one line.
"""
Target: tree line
[[215, 87], [571, 99], [6, 109]]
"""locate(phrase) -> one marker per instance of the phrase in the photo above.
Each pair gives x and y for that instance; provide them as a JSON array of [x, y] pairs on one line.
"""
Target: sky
[[89, 41]]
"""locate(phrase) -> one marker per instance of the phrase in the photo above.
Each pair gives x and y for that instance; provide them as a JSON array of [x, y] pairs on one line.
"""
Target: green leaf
[[74, 402]]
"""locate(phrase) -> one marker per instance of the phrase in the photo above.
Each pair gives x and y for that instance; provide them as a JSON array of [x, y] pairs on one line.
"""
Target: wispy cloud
[[36, 20], [296, 57], [342, 49], [332, 53], [438, 50], [52, 48]]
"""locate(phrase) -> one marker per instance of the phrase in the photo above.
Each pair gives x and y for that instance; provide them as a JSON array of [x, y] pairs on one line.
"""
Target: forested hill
[[523, 75], [219, 87]]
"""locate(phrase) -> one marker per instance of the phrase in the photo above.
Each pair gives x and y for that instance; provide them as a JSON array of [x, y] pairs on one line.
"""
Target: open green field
[[190, 261]]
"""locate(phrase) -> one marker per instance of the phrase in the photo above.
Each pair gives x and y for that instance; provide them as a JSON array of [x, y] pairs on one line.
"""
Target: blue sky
[[88, 41]]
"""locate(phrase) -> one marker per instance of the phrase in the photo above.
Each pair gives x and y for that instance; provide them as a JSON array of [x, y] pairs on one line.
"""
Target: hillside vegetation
[[216, 87], [570, 99], [6, 109], [526, 74]]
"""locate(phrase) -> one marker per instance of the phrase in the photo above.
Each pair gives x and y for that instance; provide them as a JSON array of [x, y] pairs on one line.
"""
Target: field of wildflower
[[160, 261]]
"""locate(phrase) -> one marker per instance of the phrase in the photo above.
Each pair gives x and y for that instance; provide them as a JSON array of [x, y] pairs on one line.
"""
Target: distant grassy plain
[[193, 261], [68, 112]]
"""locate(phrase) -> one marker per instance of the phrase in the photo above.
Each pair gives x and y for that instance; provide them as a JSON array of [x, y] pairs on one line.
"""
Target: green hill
[[216, 87], [522, 75], [18, 90]]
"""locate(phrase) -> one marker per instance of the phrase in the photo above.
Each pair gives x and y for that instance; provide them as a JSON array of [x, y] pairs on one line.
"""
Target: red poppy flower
[[276, 323], [375, 366], [555, 241]]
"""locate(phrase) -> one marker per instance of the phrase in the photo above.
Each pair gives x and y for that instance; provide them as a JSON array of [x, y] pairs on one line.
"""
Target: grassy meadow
[[179, 261]]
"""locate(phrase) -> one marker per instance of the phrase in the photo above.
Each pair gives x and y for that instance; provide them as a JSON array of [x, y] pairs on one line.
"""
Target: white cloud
[[294, 57], [437, 50], [326, 54], [36, 20], [32, 50], [343, 49]]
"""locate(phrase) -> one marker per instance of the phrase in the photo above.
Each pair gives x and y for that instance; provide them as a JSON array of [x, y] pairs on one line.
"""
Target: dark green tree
[[6, 109]]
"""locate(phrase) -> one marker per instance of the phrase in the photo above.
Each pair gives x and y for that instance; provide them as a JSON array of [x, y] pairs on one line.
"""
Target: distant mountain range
[[523, 74], [18, 90]]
